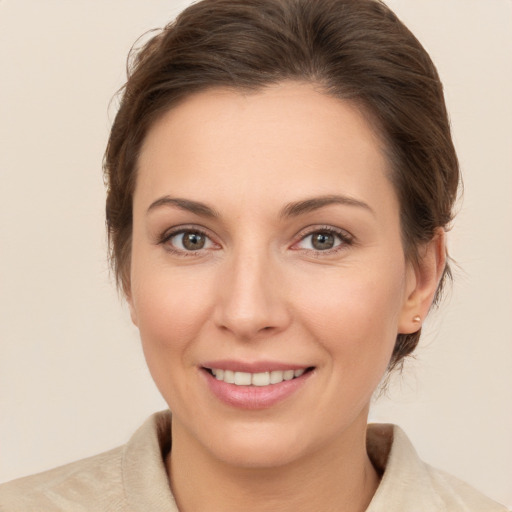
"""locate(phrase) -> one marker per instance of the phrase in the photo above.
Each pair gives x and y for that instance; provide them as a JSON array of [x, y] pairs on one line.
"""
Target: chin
[[257, 450]]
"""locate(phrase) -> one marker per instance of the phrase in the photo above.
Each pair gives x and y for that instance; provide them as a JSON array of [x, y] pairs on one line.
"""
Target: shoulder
[[95, 483], [457, 493], [410, 484], [126, 479]]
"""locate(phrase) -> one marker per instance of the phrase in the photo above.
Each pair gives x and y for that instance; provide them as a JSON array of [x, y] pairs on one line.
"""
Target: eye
[[320, 241], [188, 241], [323, 240]]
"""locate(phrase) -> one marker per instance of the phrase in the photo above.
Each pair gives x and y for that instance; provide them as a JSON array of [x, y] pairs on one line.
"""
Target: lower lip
[[254, 397]]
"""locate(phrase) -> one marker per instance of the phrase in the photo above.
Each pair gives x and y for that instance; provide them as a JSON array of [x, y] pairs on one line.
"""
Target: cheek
[[355, 315], [170, 311]]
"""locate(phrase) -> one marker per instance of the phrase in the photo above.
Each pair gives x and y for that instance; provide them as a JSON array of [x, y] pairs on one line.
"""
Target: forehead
[[285, 139]]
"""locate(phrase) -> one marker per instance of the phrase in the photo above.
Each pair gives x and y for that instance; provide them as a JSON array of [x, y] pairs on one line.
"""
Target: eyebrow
[[290, 210], [184, 204], [315, 203]]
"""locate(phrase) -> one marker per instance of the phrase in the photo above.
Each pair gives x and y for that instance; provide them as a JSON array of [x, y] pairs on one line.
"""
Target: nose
[[251, 298]]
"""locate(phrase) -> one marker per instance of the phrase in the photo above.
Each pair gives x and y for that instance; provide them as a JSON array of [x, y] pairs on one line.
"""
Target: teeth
[[243, 379], [260, 379], [229, 376], [288, 375], [256, 379], [276, 377]]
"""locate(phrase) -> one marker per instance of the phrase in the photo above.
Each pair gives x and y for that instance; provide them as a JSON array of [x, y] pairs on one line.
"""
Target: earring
[[416, 319]]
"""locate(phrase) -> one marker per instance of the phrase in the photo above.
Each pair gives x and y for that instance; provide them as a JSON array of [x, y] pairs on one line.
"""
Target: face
[[268, 277]]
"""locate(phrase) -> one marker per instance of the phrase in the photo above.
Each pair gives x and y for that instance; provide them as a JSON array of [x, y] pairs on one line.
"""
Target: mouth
[[255, 385], [259, 379]]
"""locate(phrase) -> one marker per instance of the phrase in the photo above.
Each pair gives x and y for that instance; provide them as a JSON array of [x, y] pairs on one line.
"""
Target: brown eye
[[193, 241], [187, 241], [323, 241]]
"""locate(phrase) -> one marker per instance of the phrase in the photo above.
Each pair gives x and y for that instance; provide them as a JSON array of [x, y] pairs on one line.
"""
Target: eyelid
[[346, 238], [168, 234]]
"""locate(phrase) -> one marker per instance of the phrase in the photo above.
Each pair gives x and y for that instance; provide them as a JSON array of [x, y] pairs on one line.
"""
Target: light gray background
[[73, 381]]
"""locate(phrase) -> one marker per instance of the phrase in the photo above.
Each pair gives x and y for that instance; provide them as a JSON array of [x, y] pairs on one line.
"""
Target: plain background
[[73, 380]]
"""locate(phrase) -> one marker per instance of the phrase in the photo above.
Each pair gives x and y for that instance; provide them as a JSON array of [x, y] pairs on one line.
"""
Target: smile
[[255, 385], [255, 379]]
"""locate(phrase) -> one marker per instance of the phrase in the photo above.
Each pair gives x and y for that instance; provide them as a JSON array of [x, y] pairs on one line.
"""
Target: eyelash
[[166, 237], [345, 238]]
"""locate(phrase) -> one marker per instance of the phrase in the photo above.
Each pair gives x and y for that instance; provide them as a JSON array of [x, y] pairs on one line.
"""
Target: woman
[[280, 178]]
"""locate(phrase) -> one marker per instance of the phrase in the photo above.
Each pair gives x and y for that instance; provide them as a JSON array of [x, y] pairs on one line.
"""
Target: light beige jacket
[[133, 478]]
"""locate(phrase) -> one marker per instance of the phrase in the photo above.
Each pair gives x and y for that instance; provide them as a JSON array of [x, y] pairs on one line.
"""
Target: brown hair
[[353, 49]]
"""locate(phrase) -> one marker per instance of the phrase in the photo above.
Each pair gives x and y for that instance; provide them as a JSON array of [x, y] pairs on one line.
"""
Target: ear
[[421, 283]]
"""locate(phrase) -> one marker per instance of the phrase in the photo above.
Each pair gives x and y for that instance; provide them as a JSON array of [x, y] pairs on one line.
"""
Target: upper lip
[[253, 366]]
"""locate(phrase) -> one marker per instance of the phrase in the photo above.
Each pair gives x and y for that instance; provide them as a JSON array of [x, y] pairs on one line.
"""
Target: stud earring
[[416, 319]]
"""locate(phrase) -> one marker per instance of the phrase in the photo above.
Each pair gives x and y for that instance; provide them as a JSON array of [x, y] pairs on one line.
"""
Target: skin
[[259, 291]]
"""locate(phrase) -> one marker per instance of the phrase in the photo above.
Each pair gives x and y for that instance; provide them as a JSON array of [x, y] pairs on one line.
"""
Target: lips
[[254, 385]]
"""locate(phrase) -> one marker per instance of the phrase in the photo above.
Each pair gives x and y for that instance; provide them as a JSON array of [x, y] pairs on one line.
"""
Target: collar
[[407, 483]]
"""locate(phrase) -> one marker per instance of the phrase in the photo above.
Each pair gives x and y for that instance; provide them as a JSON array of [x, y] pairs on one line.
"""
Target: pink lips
[[253, 397]]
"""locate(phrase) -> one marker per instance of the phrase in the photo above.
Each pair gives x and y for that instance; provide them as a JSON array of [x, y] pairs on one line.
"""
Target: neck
[[334, 478]]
